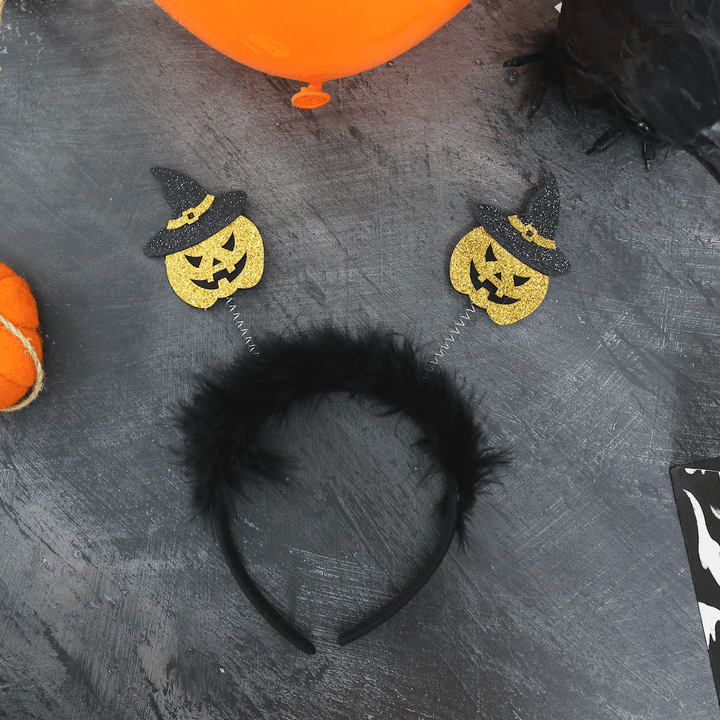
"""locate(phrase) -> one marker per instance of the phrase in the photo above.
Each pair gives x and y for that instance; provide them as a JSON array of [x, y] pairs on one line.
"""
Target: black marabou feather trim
[[222, 428]]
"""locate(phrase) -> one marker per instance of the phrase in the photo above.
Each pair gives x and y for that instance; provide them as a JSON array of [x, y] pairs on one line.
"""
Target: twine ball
[[19, 370]]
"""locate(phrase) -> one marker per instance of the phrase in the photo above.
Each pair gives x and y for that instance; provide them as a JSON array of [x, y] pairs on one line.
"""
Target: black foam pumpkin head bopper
[[197, 214]]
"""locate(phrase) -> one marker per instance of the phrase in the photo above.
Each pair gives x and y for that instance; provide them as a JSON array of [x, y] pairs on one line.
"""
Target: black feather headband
[[222, 427]]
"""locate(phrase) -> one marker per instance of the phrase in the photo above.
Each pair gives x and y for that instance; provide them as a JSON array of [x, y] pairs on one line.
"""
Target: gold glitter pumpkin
[[215, 268], [494, 279]]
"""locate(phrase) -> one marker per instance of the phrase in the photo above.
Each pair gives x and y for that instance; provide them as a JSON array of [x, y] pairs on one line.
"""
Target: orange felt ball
[[18, 372]]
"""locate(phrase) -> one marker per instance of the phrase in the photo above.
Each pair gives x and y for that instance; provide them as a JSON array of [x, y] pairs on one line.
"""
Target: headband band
[[222, 425]]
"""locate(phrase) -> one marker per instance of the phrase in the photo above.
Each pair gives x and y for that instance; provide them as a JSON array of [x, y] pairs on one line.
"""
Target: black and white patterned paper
[[697, 494]]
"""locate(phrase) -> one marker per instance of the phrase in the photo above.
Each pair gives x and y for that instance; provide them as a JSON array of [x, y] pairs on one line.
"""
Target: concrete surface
[[574, 599]]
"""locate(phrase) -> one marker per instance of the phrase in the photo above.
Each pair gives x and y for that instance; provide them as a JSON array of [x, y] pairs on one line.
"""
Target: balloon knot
[[312, 96]]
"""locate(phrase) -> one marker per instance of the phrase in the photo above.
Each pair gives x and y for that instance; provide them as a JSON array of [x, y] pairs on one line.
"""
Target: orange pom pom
[[19, 370]]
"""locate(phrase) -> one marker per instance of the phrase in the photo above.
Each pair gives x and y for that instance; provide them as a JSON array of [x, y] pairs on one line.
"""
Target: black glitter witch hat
[[198, 215], [529, 237]]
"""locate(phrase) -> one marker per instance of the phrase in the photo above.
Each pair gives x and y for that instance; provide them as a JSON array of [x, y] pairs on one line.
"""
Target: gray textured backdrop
[[574, 600]]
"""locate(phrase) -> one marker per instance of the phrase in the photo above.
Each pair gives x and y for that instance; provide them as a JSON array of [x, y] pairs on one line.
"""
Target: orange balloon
[[312, 40]]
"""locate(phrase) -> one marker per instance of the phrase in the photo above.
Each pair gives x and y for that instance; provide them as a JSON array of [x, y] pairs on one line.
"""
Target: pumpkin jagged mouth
[[493, 296], [491, 288], [228, 275]]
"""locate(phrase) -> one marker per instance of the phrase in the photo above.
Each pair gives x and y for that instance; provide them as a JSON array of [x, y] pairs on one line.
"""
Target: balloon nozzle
[[312, 96]]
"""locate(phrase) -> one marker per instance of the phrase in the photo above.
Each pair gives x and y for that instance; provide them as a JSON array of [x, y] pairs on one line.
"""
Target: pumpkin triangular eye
[[230, 244], [193, 260], [519, 280], [489, 254]]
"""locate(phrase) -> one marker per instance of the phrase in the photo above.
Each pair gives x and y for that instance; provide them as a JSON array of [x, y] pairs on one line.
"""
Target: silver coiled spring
[[454, 332], [244, 332]]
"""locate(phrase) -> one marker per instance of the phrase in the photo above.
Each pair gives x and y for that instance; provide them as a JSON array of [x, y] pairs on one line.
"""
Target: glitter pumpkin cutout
[[210, 248], [215, 268], [504, 266], [493, 279]]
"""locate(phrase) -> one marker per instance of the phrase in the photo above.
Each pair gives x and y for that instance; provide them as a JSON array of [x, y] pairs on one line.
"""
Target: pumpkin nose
[[216, 262]]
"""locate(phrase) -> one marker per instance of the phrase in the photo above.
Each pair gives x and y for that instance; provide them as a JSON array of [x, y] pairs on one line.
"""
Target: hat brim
[[224, 209], [544, 260]]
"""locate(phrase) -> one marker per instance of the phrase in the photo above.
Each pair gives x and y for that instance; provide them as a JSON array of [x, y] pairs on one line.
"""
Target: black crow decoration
[[654, 63]]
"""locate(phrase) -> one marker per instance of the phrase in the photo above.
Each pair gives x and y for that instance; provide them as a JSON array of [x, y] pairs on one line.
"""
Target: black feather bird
[[654, 63]]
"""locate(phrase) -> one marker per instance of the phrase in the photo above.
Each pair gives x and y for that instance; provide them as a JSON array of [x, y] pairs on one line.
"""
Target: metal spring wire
[[244, 332], [454, 332]]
